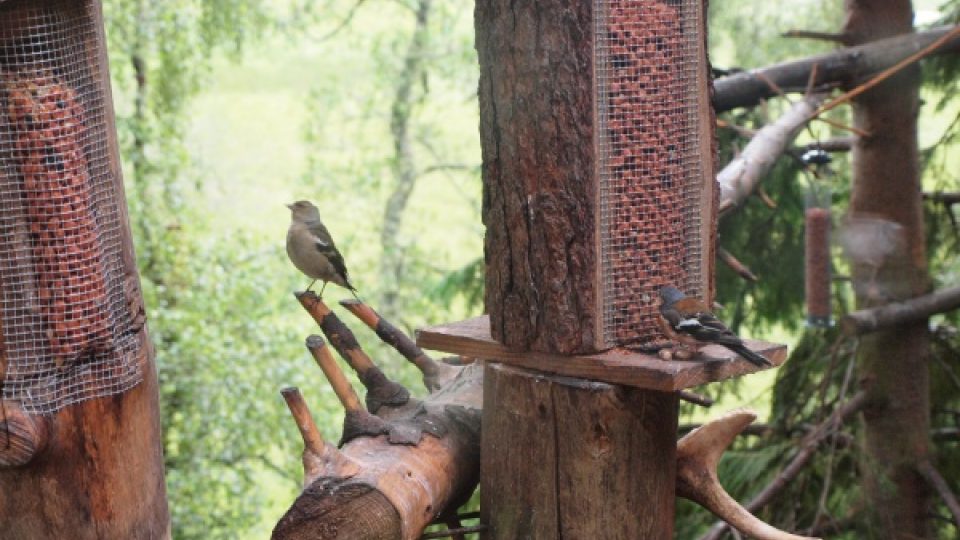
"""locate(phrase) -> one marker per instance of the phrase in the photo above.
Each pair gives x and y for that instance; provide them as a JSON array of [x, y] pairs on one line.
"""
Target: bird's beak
[[290, 206]]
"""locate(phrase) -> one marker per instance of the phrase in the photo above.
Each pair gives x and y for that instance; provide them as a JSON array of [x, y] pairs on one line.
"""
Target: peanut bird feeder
[[80, 453]]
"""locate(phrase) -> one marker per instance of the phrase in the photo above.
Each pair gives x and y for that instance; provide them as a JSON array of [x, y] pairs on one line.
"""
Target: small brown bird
[[311, 248], [688, 316]]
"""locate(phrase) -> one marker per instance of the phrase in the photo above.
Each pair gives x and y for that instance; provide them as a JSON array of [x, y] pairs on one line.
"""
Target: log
[[372, 489], [568, 458]]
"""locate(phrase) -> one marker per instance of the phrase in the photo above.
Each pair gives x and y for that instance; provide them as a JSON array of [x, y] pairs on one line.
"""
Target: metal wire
[[651, 169], [66, 324]]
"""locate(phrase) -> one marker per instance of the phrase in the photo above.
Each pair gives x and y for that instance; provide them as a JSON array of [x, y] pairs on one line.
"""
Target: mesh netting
[[68, 333], [650, 163]]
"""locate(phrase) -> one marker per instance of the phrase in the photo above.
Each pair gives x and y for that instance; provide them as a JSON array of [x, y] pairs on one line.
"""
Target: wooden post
[[568, 458], [96, 469]]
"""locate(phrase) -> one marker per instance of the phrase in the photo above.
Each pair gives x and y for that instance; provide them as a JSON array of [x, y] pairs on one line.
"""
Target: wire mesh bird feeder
[[654, 153], [817, 218], [67, 302], [613, 136]]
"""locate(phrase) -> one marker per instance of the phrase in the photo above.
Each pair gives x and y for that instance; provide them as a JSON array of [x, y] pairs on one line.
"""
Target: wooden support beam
[[567, 458]]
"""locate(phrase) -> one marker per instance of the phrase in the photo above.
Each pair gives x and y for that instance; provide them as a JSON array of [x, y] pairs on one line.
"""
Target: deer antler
[[697, 456]]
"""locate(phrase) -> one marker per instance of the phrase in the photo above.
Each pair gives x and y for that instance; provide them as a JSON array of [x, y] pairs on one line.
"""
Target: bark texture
[[568, 458], [536, 132], [892, 362]]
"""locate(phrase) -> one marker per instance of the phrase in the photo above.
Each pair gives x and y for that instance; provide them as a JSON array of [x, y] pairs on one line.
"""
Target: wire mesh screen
[[67, 329], [649, 55]]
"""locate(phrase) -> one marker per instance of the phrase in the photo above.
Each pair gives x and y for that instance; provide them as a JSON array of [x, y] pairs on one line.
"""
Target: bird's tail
[[751, 356]]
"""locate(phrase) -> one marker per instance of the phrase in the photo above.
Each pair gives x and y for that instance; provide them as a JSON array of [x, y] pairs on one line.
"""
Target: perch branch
[[807, 448], [735, 264], [939, 483], [435, 374], [916, 309], [338, 381], [742, 175], [695, 398], [380, 389], [838, 67], [697, 456]]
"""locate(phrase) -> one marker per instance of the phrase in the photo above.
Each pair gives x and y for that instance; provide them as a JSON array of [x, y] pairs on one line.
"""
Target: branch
[[937, 482], [843, 66], [742, 175], [435, 374], [943, 197], [735, 264], [807, 448], [916, 309]]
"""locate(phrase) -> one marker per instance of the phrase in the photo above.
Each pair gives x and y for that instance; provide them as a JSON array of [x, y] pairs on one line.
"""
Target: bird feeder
[[598, 151], [817, 219], [68, 329], [71, 311]]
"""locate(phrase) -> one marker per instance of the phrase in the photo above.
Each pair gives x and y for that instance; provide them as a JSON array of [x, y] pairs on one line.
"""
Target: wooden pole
[[568, 458], [100, 474]]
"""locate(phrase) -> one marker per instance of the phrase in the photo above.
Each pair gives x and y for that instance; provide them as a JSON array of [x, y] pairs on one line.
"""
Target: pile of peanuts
[[646, 133], [47, 125]]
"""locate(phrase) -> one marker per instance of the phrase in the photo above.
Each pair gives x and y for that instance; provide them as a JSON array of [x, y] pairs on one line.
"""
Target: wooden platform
[[618, 366]]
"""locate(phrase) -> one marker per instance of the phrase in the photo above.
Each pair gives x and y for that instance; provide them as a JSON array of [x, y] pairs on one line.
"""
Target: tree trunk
[[536, 130], [569, 458], [404, 166], [892, 362]]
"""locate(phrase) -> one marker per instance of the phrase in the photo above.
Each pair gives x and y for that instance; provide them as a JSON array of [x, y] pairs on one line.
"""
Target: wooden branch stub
[[312, 440], [698, 454], [435, 374], [617, 366], [341, 386], [22, 436], [319, 457]]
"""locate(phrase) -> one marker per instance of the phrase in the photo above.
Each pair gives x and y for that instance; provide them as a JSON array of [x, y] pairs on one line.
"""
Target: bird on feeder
[[689, 321], [311, 248]]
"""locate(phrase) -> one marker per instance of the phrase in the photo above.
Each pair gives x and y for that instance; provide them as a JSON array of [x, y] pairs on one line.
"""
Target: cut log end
[[22, 436]]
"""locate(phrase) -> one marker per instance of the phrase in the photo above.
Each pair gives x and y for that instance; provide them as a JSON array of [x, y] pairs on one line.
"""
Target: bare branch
[[943, 197], [742, 175], [939, 483], [843, 39], [735, 265], [916, 309], [837, 67]]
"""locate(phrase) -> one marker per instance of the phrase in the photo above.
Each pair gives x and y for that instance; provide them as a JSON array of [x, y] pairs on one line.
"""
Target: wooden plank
[[617, 366]]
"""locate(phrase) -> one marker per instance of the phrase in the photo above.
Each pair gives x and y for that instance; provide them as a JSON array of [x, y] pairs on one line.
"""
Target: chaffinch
[[311, 248], [688, 317]]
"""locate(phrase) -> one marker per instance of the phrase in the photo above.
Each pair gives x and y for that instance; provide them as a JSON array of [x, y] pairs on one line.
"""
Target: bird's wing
[[707, 327], [324, 243]]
